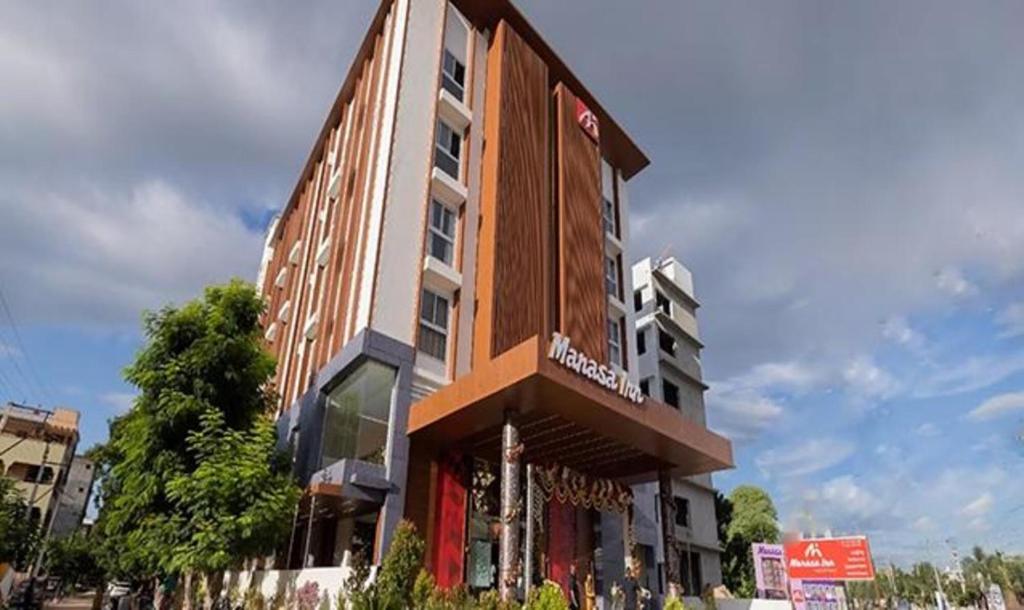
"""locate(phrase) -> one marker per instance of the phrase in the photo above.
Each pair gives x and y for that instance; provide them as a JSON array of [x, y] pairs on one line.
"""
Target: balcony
[[312, 324], [334, 188], [295, 252], [683, 356], [452, 111], [323, 252], [440, 276], [447, 189]]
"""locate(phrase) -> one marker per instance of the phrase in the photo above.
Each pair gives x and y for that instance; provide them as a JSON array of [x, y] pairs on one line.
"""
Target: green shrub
[[401, 566], [422, 589], [547, 597], [253, 600]]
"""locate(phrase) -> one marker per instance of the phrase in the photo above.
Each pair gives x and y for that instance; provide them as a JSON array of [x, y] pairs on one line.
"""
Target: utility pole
[[42, 468]]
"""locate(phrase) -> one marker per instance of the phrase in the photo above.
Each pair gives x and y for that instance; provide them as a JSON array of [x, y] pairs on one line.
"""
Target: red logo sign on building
[[588, 121], [830, 559]]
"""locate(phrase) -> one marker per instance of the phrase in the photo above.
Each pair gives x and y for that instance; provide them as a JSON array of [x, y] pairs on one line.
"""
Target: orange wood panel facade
[[584, 305], [328, 290], [512, 291]]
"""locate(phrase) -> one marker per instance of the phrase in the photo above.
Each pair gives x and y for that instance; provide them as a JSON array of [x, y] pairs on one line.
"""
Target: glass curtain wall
[[356, 421]]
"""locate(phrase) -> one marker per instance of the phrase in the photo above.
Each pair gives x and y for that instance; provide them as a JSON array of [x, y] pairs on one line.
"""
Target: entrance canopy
[[564, 418]]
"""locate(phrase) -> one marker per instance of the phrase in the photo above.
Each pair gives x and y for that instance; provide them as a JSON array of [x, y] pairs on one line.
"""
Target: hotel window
[[638, 300], [356, 418], [453, 75], [433, 339], [682, 511], [447, 149], [670, 393], [614, 342], [663, 303], [608, 214], [442, 232], [645, 386], [666, 342], [611, 276], [641, 341]]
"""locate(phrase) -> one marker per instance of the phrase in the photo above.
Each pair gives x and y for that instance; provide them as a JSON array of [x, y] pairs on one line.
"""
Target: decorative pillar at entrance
[[508, 566], [530, 533], [668, 532]]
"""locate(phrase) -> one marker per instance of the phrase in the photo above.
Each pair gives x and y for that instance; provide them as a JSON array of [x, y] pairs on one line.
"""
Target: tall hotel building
[[448, 302]]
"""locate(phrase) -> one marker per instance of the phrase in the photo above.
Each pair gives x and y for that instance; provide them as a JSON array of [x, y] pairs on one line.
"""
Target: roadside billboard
[[770, 570], [818, 595], [829, 559]]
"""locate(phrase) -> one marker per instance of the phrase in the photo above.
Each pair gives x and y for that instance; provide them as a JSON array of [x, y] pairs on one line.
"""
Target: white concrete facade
[[666, 330]]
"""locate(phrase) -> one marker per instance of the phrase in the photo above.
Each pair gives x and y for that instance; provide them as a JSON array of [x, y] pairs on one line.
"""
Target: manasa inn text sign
[[562, 351]]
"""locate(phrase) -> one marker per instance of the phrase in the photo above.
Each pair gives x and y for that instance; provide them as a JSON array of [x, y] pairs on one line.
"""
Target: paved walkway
[[78, 602]]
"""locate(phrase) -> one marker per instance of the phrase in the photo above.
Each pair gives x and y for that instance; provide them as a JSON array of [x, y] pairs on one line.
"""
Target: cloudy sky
[[844, 179]]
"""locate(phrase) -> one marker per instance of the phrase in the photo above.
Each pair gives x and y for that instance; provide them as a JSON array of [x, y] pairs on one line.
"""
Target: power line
[[43, 389]]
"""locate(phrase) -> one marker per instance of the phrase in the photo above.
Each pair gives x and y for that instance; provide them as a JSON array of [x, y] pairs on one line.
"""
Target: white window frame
[[453, 135], [432, 324], [445, 56], [615, 341], [611, 275], [608, 216], [438, 232]]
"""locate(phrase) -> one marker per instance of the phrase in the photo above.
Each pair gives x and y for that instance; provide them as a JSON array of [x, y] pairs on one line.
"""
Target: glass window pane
[[357, 413], [441, 313], [432, 342]]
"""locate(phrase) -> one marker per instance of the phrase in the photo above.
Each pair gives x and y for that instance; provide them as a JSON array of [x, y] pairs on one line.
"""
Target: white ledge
[[440, 276], [452, 111], [447, 189]]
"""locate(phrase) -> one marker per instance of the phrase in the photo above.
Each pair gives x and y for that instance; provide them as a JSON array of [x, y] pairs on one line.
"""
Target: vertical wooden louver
[[583, 304], [512, 287]]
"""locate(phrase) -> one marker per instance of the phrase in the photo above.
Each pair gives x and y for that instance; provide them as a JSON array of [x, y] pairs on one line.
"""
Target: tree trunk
[[97, 597], [186, 592], [211, 587], [158, 593]]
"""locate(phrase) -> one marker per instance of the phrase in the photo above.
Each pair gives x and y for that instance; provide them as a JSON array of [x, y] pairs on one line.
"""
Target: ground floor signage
[[562, 351], [829, 559]]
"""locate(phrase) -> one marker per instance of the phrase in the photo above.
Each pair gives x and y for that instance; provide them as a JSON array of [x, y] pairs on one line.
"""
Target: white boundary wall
[[287, 582], [741, 604]]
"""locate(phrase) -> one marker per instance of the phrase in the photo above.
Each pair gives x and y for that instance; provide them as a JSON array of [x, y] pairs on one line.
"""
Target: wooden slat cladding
[[584, 305], [512, 286], [344, 148]]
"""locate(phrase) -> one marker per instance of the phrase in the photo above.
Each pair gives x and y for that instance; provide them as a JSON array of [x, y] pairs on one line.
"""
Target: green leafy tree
[[191, 480], [75, 561], [19, 536], [751, 518]]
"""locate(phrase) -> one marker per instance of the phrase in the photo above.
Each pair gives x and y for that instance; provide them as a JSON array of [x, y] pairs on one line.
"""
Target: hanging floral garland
[[571, 487]]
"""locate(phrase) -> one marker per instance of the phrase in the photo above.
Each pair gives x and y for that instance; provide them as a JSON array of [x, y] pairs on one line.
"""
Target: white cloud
[[846, 495], [979, 506], [143, 135], [968, 374], [927, 430], [801, 459], [1011, 319], [8, 351], [952, 281], [742, 415], [998, 406], [866, 379], [924, 524], [898, 330], [121, 402], [119, 255]]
